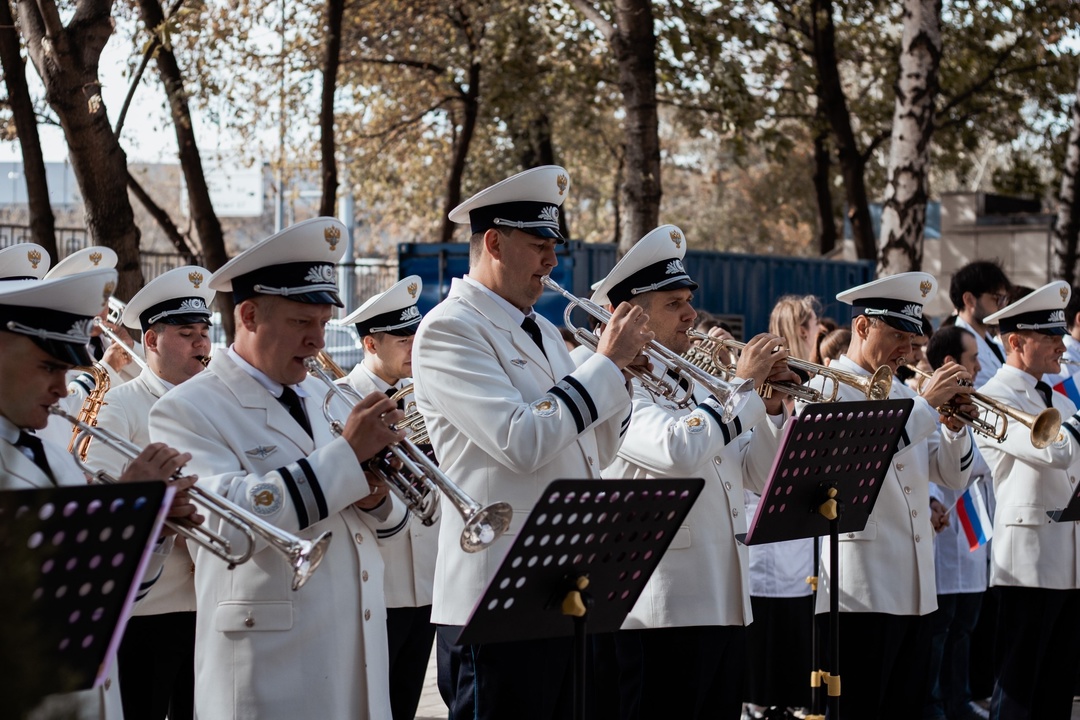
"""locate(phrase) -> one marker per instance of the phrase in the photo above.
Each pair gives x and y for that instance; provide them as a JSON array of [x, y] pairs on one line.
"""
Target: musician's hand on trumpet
[[371, 426], [118, 354], [624, 337], [764, 359], [158, 461], [379, 490], [951, 386]]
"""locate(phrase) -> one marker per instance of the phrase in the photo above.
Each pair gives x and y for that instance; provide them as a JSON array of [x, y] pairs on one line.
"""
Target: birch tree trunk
[[1067, 227], [903, 218]]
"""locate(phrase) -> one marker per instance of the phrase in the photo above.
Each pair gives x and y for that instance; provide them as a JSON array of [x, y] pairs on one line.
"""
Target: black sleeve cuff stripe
[[144, 587], [1072, 430], [585, 396], [569, 403], [738, 426], [390, 532], [316, 489], [297, 498], [82, 382], [904, 440], [710, 408]]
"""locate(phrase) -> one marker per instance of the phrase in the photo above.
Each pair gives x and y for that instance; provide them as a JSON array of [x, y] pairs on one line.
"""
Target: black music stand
[[825, 480], [580, 563], [71, 559]]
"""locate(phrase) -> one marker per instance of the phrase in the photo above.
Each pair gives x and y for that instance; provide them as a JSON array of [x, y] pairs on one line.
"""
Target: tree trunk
[[335, 10], [203, 215], [1067, 227], [42, 220], [66, 58], [903, 217], [852, 165], [471, 109], [633, 44], [823, 193]]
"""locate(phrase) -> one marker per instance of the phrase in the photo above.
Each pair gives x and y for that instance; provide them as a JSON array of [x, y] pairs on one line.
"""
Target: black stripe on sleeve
[[568, 403], [316, 489], [297, 497]]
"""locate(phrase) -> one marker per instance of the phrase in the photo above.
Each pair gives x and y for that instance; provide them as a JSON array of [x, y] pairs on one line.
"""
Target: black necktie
[[996, 350], [292, 403], [529, 325], [33, 444], [1045, 391]]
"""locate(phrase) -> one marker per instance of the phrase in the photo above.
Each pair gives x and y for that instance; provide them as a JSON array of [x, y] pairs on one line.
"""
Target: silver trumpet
[[876, 387], [116, 311], [418, 478], [302, 555], [732, 396]]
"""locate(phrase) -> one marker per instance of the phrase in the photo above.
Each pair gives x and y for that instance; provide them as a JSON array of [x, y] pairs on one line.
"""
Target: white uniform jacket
[[410, 563], [1028, 550], [703, 578], [126, 413], [504, 422], [261, 650], [888, 567], [989, 361]]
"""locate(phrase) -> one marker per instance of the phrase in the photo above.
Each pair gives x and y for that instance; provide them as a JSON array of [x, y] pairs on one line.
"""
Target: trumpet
[[875, 387], [414, 422], [1045, 427], [302, 555], [732, 396], [418, 479], [107, 332]]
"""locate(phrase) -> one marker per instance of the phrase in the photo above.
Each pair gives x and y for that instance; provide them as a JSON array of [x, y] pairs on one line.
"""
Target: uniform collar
[[272, 386]]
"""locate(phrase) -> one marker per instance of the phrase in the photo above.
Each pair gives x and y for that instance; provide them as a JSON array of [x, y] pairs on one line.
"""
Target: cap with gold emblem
[[298, 263], [528, 201], [23, 261], [393, 311], [179, 297], [57, 313], [896, 300], [90, 258], [654, 263], [1042, 311]]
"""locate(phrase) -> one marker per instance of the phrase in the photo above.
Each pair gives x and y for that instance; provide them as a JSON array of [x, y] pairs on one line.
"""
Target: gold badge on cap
[[676, 237], [108, 291], [562, 181], [925, 286], [34, 256], [332, 235], [95, 257], [1064, 292], [196, 279], [412, 289]]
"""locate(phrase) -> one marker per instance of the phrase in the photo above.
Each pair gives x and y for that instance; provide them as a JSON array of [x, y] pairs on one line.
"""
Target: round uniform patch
[[545, 406], [265, 499], [695, 422]]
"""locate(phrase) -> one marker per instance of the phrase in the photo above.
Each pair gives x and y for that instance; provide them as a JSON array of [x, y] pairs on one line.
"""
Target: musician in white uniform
[[886, 574], [43, 333], [23, 261], [386, 325], [508, 412], [1072, 343], [978, 290], [157, 656], [254, 426], [1035, 563], [681, 650]]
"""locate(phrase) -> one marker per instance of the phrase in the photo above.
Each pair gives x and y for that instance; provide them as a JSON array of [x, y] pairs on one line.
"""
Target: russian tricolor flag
[[1070, 389], [974, 518]]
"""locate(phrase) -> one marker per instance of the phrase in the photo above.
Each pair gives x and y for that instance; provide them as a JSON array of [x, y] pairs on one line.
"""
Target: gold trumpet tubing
[[732, 397], [95, 399], [302, 555], [876, 387], [116, 339], [1044, 427], [482, 525]]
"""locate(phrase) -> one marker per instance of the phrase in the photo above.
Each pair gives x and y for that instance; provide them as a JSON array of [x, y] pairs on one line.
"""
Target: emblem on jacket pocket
[[261, 451]]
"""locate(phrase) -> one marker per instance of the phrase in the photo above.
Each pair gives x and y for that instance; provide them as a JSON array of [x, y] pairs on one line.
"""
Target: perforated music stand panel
[[71, 559], [614, 531], [847, 445]]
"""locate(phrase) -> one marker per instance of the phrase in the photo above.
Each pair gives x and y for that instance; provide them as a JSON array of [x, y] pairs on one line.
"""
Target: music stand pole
[[825, 480], [579, 564]]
